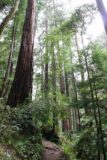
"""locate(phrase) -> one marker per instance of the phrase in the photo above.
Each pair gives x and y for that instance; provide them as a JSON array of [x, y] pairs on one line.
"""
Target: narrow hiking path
[[52, 151]]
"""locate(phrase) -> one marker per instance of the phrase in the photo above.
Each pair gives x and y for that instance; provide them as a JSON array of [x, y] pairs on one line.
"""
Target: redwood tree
[[22, 84]]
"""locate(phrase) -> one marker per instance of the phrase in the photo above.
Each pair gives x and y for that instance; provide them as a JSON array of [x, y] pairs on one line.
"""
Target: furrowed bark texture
[[22, 84]]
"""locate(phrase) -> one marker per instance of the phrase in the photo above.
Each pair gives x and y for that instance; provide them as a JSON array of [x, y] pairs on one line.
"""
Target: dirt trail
[[52, 151]]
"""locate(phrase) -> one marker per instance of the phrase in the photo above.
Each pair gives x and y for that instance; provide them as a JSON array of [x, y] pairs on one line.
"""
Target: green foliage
[[40, 5], [17, 131], [72, 25], [6, 41], [5, 2], [20, 128], [42, 112], [86, 145], [7, 153], [68, 147], [99, 57]]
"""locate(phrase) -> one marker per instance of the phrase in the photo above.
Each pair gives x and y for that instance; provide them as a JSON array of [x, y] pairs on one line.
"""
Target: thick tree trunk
[[22, 84], [9, 16], [103, 12]]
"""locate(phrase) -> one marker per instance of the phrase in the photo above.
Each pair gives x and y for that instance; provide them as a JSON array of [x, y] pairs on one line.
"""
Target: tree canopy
[[53, 76]]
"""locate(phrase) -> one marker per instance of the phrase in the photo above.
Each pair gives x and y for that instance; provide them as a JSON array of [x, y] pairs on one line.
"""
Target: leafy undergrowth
[[83, 144], [7, 153], [19, 138], [68, 147]]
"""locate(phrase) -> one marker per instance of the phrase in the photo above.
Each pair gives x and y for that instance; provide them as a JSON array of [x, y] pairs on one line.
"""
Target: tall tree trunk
[[66, 84], [77, 112], [103, 12], [9, 16], [99, 117], [9, 65], [54, 12], [62, 90], [65, 125], [42, 75], [55, 119], [22, 84], [68, 94], [80, 60], [46, 54], [98, 142]]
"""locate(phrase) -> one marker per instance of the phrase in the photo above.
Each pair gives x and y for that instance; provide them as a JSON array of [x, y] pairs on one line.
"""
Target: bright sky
[[96, 28], [105, 3], [76, 3]]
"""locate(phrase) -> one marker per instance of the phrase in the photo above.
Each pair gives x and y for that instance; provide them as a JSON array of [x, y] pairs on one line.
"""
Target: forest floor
[[52, 151]]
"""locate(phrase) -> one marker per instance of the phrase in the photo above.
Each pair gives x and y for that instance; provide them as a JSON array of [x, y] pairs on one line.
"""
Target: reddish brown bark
[[22, 84]]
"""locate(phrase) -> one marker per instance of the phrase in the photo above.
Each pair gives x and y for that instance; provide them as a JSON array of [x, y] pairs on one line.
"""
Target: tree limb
[[9, 16]]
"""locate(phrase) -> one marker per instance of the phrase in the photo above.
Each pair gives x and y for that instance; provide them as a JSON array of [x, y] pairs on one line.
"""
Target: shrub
[[17, 130]]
